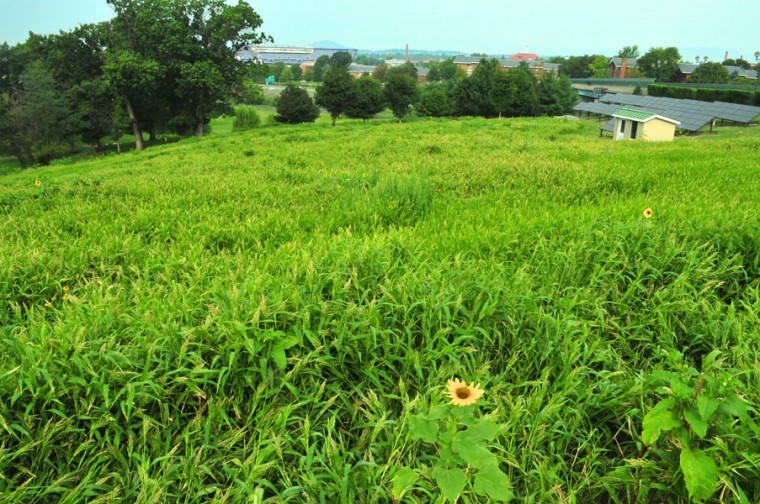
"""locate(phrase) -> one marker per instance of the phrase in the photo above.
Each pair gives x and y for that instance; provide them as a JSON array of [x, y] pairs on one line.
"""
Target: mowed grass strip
[[259, 313]]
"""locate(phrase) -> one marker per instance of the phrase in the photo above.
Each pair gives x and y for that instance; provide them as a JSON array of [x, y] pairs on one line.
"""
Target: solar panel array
[[597, 108], [692, 114]]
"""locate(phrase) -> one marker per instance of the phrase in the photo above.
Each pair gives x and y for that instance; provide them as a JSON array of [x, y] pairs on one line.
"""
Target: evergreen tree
[[556, 95], [474, 94], [295, 106]]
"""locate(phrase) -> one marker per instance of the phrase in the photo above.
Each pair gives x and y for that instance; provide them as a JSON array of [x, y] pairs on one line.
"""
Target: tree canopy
[[660, 63], [295, 106], [335, 92], [710, 73], [401, 93]]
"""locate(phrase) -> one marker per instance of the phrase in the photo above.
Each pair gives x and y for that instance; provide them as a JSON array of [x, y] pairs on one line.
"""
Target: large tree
[[335, 92], [173, 61], [475, 94], [341, 59], [320, 66], [710, 73], [660, 63], [36, 123], [401, 92], [366, 99], [556, 95], [436, 99], [523, 99], [578, 67]]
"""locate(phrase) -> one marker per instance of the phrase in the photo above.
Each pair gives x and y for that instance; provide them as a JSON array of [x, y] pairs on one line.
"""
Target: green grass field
[[258, 316]]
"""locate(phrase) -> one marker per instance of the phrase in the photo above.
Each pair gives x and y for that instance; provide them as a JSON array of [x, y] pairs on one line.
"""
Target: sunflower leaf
[[450, 481], [472, 451], [484, 431], [403, 481], [493, 483], [421, 427]]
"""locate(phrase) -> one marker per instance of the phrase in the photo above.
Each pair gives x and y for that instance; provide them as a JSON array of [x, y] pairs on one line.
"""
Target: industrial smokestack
[[407, 53]]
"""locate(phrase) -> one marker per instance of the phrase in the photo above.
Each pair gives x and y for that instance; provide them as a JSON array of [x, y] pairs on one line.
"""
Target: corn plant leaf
[[699, 472], [660, 419], [421, 427], [451, 482], [492, 483], [403, 481]]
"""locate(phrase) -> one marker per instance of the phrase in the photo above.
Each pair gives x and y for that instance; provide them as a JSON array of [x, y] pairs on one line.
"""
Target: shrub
[[295, 106], [246, 117]]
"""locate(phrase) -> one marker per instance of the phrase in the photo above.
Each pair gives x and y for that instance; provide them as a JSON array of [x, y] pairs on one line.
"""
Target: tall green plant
[[701, 425], [246, 117]]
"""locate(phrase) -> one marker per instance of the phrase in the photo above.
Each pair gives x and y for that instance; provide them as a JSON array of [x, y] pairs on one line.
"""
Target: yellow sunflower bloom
[[462, 394], [37, 182], [648, 213]]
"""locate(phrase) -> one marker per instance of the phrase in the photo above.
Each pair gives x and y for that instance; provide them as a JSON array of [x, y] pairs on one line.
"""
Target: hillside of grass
[[262, 316]]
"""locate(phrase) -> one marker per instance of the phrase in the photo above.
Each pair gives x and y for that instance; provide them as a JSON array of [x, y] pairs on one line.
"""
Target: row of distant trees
[[488, 92], [157, 66], [659, 63]]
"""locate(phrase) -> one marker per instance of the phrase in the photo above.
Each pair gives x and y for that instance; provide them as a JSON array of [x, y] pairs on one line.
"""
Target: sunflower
[[462, 394], [648, 213], [37, 182]]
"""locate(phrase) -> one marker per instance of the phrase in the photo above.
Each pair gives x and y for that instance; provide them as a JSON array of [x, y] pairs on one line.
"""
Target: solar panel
[[707, 111]]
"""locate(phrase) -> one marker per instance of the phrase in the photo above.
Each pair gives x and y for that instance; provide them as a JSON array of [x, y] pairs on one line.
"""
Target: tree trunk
[[199, 126], [139, 144]]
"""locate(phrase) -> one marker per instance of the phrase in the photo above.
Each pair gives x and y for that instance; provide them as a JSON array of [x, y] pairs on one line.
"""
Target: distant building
[[622, 68], [686, 69], [538, 67], [524, 56], [287, 54], [359, 70]]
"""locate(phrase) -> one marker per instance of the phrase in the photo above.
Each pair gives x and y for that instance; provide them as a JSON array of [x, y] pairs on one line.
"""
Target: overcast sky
[[497, 27]]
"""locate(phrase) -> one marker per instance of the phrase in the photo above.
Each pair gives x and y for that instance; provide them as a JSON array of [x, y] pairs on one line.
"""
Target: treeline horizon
[[156, 66]]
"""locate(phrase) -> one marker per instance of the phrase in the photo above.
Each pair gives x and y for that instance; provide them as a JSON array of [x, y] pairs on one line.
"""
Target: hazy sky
[[546, 27]]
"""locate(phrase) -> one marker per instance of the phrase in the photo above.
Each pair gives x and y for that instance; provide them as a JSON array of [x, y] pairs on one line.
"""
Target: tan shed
[[641, 125]]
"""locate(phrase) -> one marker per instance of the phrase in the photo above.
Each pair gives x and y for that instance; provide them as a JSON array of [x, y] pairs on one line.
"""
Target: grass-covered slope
[[260, 314]]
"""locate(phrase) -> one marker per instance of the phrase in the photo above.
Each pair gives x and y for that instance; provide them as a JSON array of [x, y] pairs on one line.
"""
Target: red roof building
[[524, 57]]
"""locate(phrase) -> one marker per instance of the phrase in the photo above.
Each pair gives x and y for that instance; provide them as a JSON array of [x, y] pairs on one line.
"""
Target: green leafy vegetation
[[263, 315], [246, 117]]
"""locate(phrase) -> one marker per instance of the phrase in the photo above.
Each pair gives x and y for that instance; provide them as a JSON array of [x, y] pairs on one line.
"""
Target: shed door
[[634, 129]]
